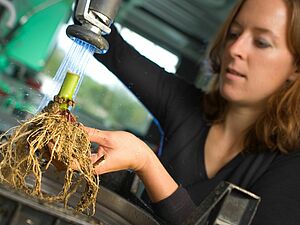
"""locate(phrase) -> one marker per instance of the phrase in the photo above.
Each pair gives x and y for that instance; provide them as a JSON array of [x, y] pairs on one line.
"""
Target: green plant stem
[[68, 88]]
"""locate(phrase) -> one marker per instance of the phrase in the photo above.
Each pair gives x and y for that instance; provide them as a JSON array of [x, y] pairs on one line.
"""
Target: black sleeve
[[176, 208], [152, 85], [279, 189]]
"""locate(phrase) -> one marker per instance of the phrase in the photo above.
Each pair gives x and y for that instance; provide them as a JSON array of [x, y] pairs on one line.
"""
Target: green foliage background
[[113, 107]]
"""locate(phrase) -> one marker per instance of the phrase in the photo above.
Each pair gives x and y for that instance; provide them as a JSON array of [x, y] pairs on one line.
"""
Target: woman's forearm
[[158, 182]]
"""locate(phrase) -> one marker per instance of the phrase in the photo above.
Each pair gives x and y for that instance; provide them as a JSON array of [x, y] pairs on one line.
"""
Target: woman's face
[[256, 60]]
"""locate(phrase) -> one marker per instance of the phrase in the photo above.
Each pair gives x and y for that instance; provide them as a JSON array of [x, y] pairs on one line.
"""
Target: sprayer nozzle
[[83, 33]]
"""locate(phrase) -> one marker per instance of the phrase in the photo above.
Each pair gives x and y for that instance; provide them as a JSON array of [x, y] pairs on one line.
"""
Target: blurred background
[[174, 34], [33, 42]]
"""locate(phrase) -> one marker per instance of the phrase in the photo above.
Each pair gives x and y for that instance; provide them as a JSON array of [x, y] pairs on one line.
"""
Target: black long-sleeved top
[[177, 106]]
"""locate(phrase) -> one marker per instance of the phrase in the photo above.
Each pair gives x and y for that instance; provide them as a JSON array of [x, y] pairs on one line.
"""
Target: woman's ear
[[294, 76]]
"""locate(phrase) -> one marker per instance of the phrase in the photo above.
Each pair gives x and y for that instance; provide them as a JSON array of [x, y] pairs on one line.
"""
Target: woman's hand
[[118, 150], [123, 150]]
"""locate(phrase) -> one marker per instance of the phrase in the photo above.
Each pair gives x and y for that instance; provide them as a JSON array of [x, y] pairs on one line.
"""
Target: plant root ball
[[52, 137]]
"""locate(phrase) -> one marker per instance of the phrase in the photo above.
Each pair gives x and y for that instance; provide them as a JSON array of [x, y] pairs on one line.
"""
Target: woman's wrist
[[158, 182], [145, 162]]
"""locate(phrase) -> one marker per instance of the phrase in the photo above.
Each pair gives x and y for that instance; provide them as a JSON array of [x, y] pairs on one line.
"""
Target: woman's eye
[[232, 35], [260, 43]]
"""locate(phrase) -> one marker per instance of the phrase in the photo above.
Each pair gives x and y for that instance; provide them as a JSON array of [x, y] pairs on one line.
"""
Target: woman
[[244, 130]]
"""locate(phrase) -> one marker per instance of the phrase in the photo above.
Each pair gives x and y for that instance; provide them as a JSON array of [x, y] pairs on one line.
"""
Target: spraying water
[[75, 61]]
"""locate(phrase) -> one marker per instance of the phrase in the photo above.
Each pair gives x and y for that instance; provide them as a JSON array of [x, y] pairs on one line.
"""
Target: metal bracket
[[228, 204]]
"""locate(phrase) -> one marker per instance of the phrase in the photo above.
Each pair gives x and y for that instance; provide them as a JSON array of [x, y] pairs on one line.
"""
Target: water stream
[[75, 61]]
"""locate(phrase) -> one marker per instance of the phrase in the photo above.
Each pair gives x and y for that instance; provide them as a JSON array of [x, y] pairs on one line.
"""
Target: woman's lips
[[233, 74]]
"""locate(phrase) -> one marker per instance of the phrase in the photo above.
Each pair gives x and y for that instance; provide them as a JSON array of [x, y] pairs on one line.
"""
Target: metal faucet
[[93, 19]]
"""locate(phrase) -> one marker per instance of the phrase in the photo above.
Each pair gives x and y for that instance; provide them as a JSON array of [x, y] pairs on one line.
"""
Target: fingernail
[[101, 159]]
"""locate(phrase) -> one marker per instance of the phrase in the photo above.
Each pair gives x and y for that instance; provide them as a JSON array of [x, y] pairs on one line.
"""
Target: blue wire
[[162, 137]]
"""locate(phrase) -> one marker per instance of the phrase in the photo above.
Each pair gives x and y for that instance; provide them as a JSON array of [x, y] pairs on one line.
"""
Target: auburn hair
[[278, 127]]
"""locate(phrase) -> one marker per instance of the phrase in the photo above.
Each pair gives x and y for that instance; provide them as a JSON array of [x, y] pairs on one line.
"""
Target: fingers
[[99, 160], [113, 146], [96, 135], [92, 132], [99, 163], [99, 156], [75, 165]]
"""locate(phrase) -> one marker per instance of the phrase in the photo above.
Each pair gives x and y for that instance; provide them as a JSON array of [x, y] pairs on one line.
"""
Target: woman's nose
[[238, 47]]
